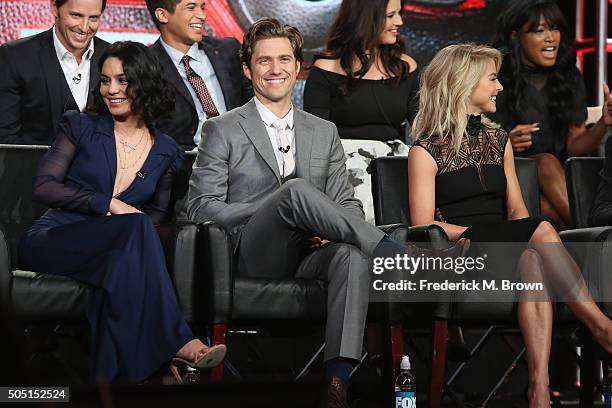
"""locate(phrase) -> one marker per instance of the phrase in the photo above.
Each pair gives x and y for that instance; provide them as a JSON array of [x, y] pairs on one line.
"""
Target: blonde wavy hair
[[446, 85]]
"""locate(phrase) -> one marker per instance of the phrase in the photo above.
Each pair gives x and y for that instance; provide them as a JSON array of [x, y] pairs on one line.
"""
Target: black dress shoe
[[336, 393]]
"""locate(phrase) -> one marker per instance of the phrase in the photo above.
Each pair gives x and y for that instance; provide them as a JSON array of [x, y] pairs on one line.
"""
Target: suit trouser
[[273, 241]]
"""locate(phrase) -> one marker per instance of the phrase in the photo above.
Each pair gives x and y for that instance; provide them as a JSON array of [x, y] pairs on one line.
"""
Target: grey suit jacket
[[236, 169]]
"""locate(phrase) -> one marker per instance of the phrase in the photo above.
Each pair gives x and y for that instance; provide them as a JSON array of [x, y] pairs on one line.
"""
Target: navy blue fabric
[[135, 319], [340, 367]]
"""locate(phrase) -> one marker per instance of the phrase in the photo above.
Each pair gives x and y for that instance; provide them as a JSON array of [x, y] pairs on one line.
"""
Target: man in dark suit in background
[[205, 71], [44, 75]]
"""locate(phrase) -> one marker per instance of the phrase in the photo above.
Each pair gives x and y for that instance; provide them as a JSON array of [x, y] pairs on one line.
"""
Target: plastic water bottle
[[607, 390], [405, 386]]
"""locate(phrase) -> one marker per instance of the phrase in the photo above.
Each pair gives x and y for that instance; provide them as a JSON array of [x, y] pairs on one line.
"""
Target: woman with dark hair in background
[[365, 84], [543, 106], [108, 178]]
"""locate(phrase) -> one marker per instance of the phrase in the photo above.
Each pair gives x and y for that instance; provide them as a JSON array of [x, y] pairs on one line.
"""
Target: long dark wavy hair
[[152, 96], [354, 34], [516, 15]]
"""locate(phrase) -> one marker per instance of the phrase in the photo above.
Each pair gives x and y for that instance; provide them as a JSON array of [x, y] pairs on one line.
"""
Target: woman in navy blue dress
[[108, 179]]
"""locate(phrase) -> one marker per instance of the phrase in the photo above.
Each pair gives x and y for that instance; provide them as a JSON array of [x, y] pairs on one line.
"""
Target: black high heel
[[581, 336]]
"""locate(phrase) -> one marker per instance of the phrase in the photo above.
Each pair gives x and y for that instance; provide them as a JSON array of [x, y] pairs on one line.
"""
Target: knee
[[134, 224], [297, 191], [296, 185], [137, 219], [350, 261], [548, 165], [530, 263], [545, 232]]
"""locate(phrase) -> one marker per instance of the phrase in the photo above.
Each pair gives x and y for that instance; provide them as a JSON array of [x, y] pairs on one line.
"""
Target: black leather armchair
[[232, 300], [42, 298], [582, 176], [390, 196]]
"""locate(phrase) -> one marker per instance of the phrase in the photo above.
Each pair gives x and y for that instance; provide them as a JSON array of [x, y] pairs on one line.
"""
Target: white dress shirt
[[268, 118], [77, 75], [202, 66]]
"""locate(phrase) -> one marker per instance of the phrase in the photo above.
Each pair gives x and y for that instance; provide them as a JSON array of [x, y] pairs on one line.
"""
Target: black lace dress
[[471, 186]]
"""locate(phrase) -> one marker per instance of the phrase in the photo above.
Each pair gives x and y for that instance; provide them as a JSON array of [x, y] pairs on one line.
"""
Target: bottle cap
[[405, 364]]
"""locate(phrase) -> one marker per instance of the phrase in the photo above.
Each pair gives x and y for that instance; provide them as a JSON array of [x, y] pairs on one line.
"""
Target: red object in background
[[464, 6], [219, 16], [35, 14]]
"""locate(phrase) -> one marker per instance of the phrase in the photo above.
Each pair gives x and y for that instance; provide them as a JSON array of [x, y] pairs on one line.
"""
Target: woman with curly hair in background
[[543, 106]]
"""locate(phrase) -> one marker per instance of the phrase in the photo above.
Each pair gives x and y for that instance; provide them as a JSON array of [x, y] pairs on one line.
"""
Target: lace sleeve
[[157, 206], [50, 185], [502, 137], [577, 112], [434, 150]]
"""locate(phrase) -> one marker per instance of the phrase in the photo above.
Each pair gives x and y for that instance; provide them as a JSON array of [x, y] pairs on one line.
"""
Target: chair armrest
[[398, 232], [594, 234], [394, 312], [430, 233], [5, 271], [214, 264], [591, 248], [179, 241], [581, 241]]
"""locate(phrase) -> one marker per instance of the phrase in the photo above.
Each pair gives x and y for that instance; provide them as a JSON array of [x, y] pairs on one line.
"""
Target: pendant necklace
[[127, 146]]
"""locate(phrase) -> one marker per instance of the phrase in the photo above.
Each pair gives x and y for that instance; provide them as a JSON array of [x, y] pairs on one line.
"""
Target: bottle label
[[405, 399], [608, 400]]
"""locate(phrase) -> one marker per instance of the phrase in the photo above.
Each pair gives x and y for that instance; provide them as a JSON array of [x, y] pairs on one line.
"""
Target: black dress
[[551, 138], [373, 110], [471, 186]]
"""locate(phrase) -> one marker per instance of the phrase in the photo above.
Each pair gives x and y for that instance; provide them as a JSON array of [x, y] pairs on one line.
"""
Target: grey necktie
[[284, 147]]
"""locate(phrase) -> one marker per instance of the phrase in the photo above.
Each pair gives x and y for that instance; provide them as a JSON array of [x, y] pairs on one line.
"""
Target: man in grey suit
[[275, 178]]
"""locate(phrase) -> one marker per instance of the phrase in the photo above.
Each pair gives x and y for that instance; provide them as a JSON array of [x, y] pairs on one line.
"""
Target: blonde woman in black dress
[[462, 178]]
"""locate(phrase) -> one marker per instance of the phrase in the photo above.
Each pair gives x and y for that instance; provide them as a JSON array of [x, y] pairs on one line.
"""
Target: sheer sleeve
[[578, 113], [157, 206], [318, 94], [50, 185]]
